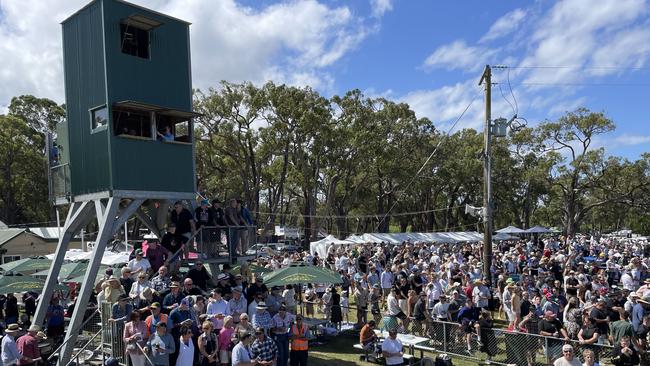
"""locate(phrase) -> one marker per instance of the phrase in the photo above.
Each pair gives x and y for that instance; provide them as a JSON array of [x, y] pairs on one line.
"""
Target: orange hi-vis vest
[[163, 319], [299, 344]]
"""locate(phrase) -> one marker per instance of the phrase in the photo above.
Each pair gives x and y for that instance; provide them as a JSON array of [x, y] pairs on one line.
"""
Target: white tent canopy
[[109, 258], [322, 246]]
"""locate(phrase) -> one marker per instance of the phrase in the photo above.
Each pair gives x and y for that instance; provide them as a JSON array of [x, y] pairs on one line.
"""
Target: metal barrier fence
[[500, 346], [112, 332], [224, 241]]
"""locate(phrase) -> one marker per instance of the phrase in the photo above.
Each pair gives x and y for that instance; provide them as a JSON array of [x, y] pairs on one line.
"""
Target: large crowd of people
[[582, 291]]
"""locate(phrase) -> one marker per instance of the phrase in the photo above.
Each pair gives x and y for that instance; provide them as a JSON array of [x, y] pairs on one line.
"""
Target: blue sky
[[427, 53]]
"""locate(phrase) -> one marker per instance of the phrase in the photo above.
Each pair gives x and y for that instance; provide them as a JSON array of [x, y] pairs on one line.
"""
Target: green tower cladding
[[128, 90]]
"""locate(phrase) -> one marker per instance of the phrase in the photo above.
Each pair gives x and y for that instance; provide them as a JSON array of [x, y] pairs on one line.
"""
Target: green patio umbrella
[[70, 270], [16, 284], [298, 273], [80, 278], [255, 268], [27, 265]]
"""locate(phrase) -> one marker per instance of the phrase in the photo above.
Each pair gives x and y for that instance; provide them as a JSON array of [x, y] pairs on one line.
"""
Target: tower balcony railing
[[60, 184]]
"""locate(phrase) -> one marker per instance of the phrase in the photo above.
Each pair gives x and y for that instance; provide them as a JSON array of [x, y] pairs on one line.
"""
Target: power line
[[586, 84], [579, 67], [355, 216], [426, 162]]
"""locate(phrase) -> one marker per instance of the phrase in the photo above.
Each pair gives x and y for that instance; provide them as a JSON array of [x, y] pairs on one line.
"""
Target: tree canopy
[[352, 163]]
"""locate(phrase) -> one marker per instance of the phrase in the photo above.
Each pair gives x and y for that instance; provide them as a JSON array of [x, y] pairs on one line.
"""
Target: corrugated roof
[[47, 233], [8, 234]]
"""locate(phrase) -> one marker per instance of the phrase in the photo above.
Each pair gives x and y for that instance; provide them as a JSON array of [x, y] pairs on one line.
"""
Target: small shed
[[19, 243]]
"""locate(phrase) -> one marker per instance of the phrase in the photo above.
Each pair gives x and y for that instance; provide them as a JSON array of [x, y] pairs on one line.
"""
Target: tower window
[[132, 122], [135, 41], [99, 117]]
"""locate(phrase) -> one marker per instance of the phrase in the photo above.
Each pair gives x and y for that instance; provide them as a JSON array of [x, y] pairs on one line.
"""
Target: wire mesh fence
[[473, 342]]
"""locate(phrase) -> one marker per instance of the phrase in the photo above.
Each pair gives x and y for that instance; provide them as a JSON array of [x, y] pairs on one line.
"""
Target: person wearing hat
[[182, 316], [392, 349], [113, 289], [223, 284], [568, 358], [481, 294], [264, 349], [551, 326], [27, 345], [237, 304], [173, 298], [262, 318], [10, 354], [160, 345], [121, 310], [139, 264], [155, 318]]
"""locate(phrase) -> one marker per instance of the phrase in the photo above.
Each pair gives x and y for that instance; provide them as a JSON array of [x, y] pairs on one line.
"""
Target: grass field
[[338, 351]]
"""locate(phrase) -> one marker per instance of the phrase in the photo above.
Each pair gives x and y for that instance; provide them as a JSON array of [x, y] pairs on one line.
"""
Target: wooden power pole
[[486, 79]]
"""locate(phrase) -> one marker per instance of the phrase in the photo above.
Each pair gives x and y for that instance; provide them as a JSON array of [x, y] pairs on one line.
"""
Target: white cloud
[[505, 25], [458, 55], [596, 41], [444, 105], [380, 7], [630, 140], [577, 33], [293, 42]]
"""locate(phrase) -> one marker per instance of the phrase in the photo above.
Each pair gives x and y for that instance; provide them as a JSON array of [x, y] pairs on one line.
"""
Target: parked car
[[262, 250]]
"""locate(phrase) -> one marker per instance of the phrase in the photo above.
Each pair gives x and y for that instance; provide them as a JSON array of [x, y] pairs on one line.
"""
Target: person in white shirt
[[441, 310], [386, 281], [186, 348], [217, 309], [139, 264], [139, 286], [627, 281], [392, 349], [567, 359]]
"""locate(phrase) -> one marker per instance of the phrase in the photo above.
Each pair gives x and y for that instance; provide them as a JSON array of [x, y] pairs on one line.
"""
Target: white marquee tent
[[322, 246]]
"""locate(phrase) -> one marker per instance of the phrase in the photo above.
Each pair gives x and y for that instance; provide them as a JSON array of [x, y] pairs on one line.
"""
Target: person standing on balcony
[[234, 222], [185, 224], [247, 219]]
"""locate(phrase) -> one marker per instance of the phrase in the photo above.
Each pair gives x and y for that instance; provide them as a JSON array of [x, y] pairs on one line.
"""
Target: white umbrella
[[511, 230]]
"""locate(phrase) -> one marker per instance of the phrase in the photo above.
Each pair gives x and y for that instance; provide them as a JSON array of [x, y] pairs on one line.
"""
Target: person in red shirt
[[28, 346]]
